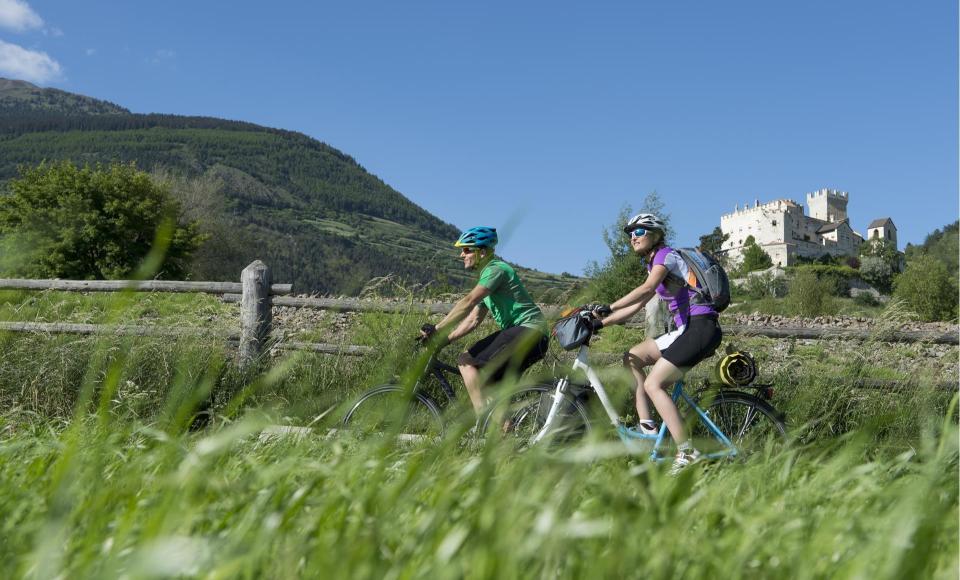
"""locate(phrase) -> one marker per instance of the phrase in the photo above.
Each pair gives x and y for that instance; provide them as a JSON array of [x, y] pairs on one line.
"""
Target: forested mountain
[[944, 245], [317, 217]]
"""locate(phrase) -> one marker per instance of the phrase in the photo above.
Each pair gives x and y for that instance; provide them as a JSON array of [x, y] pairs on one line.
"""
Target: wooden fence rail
[[257, 295], [135, 285]]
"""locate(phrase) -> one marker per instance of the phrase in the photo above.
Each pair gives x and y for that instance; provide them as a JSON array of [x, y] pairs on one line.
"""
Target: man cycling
[[522, 338], [697, 336]]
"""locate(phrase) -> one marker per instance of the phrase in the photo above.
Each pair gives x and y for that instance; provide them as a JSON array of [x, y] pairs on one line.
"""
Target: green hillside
[[310, 211]]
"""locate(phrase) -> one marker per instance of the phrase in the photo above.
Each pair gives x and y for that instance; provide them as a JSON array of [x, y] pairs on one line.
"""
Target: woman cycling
[[697, 335]]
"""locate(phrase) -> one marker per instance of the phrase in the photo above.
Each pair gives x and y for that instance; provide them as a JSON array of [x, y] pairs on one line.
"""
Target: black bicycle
[[414, 412]]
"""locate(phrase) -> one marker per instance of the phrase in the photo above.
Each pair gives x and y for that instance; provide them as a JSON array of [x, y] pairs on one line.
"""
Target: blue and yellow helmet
[[478, 237]]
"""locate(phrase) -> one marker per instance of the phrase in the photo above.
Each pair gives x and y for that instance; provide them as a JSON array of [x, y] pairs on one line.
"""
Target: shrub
[[877, 272], [754, 258], [836, 279], [928, 289], [866, 299], [810, 295], [764, 285], [92, 223]]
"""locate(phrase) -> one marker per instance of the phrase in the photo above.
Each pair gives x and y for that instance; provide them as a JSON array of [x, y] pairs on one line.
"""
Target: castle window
[[774, 222]]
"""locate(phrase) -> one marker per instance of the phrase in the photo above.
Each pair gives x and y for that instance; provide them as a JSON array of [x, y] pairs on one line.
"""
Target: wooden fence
[[257, 295]]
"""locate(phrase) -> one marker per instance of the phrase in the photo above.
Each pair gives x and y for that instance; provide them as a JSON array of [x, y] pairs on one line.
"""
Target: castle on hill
[[786, 233]]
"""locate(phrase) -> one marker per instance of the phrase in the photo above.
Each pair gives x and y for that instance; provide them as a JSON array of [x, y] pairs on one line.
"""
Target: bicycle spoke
[[747, 421]]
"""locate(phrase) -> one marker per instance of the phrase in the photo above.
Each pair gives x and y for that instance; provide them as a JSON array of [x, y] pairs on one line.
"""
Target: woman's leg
[[637, 359], [661, 377]]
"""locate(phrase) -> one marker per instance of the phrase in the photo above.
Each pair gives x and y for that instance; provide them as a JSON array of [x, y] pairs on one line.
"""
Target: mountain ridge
[[308, 209]]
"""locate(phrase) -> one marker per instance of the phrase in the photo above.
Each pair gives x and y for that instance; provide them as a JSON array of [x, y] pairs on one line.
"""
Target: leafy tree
[[928, 289], [623, 270], [810, 296], [754, 258], [877, 272], [883, 249], [943, 245], [713, 242], [93, 223]]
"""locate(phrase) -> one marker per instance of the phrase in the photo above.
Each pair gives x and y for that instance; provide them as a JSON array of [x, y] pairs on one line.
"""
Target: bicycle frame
[[438, 368], [626, 433]]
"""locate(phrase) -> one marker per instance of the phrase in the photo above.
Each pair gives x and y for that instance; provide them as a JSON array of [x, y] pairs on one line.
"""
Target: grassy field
[[104, 471]]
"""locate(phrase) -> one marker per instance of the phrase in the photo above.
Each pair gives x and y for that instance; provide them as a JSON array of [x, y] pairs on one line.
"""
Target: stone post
[[255, 314], [656, 318]]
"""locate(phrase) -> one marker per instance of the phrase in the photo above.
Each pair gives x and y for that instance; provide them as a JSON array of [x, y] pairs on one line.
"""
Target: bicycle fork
[[558, 395]]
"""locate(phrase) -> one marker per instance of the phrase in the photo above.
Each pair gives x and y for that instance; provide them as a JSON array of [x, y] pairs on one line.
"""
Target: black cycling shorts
[[699, 340], [513, 349]]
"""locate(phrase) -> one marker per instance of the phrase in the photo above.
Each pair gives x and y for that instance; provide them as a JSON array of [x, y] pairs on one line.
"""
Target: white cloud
[[17, 15], [163, 54], [19, 63]]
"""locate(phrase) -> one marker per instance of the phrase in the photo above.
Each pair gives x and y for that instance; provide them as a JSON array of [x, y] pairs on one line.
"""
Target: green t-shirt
[[509, 302]]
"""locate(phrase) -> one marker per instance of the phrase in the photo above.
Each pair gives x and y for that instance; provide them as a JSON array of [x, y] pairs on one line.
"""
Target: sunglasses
[[637, 233], [468, 250]]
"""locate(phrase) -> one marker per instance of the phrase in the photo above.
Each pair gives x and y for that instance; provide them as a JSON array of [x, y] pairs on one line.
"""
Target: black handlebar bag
[[573, 331]]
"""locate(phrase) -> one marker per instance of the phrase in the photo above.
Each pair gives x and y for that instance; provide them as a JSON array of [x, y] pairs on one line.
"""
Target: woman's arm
[[626, 307]]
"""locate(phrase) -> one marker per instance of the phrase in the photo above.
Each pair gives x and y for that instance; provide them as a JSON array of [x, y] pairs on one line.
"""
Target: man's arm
[[464, 306], [468, 324]]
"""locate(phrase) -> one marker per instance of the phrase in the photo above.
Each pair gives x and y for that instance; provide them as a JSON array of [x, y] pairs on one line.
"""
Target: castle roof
[[882, 222], [832, 226]]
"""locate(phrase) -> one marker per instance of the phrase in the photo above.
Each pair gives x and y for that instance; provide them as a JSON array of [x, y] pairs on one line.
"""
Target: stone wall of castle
[[785, 232]]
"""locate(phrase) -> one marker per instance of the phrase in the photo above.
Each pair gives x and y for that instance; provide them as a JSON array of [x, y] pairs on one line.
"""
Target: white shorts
[[665, 340]]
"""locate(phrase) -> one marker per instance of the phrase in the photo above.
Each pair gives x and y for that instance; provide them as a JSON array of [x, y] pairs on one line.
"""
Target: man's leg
[[637, 359], [471, 380]]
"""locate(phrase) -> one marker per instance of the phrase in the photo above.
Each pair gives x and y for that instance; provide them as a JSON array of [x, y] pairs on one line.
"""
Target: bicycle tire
[[520, 416], [391, 410], [748, 421]]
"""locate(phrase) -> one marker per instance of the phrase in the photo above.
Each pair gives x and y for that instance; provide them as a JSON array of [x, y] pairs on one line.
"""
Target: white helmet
[[647, 221]]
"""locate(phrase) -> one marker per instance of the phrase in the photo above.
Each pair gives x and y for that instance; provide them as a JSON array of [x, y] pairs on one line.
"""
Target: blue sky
[[544, 118]]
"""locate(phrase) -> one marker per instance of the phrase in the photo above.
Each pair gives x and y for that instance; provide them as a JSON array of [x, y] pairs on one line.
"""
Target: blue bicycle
[[723, 422]]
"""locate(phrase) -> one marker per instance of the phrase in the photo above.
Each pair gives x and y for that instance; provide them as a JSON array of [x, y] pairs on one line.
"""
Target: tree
[[712, 243], [943, 245], [754, 258], [622, 271], [877, 272], [810, 296], [928, 289], [883, 249], [92, 223]]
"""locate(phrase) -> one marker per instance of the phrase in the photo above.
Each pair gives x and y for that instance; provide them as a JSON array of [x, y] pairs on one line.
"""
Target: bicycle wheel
[[391, 410], [521, 416], [747, 421]]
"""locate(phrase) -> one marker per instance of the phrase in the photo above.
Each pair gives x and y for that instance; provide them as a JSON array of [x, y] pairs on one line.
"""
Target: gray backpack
[[714, 283]]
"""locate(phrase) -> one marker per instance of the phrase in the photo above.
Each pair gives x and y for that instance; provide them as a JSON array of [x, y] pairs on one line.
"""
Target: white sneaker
[[683, 459], [641, 427]]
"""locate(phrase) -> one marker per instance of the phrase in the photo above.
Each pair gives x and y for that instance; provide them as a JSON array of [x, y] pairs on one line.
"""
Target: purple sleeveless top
[[674, 290]]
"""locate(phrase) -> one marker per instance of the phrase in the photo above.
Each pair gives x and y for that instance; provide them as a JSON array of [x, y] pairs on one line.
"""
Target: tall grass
[[102, 500], [101, 475]]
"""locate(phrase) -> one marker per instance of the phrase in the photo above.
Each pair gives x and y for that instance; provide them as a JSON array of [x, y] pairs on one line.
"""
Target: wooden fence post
[[255, 314]]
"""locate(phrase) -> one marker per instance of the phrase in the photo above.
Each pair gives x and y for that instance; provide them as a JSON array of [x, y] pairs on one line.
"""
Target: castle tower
[[883, 229], [828, 205]]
